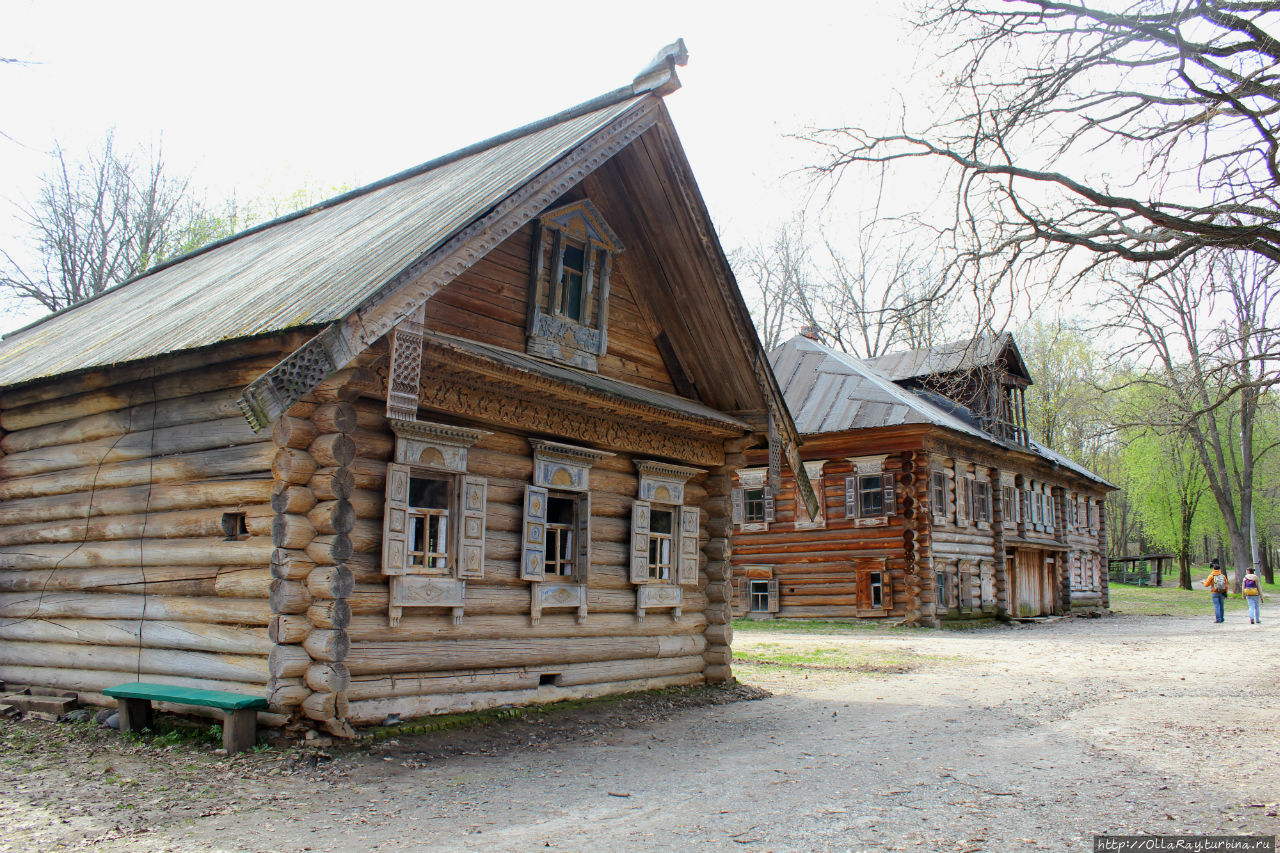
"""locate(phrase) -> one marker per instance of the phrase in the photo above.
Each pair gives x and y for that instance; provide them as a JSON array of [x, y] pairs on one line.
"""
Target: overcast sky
[[264, 97]]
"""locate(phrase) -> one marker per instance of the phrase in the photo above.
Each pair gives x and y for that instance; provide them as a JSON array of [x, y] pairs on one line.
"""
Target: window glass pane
[[561, 518], [760, 596], [571, 281], [428, 493], [871, 493], [877, 589], [660, 521], [753, 505]]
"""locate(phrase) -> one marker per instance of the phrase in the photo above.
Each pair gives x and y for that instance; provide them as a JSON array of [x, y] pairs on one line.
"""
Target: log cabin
[[458, 439], [936, 506]]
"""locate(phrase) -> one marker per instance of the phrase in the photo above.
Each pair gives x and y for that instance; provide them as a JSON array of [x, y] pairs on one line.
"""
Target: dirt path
[[1005, 739]]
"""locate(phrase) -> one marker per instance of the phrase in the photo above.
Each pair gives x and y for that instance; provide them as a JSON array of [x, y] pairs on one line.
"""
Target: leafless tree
[[1143, 132], [95, 223], [779, 271], [1208, 330]]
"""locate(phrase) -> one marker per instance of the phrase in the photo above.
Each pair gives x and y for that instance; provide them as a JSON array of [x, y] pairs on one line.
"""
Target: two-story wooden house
[[936, 505], [460, 438]]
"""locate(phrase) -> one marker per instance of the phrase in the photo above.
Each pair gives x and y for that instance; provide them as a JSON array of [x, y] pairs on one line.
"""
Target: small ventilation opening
[[549, 678], [234, 526]]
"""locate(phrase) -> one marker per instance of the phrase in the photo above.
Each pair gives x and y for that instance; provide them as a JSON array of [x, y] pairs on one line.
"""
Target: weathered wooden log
[[289, 629], [227, 494], [155, 579], [718, 655], [330, 614], [366, 536], [187, 438], [718, 673], [330, 582], [328, 677], [376, 710], [424, 625], [345, 386], [366, 503], [374, 658], [330, 517], [719, 635], [292, 531], [329, 484], [335, 417], [255, 551], [83, 680], [151, 633], [368, 474], [291, 465], [327, 644], [248, 459], [286, 693], [330, 550], [288, 498], [373, 445], [227, 667], [61, 605], [189, 524], [333, 450], [67, 408], [199, 408], [288, 662], [293, 432], [239, 582], [325, 706], [290, 565], [289, 597]]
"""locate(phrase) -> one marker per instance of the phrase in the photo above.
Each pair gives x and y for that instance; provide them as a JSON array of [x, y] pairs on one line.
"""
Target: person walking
[[1252, 596], [1220, 587]]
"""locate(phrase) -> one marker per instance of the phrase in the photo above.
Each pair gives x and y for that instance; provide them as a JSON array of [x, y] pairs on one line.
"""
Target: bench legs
[[239, 730], [135, 714]]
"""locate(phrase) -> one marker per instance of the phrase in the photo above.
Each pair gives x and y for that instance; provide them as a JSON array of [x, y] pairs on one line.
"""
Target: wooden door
[[1029, 586]]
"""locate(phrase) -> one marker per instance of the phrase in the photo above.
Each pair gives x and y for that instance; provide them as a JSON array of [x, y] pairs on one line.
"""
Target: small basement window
[[875, 583], [759, 600], [234, 526]]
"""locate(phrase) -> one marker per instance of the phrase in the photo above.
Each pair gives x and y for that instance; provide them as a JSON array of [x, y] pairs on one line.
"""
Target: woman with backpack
[[1220, 587], [1252, 596]]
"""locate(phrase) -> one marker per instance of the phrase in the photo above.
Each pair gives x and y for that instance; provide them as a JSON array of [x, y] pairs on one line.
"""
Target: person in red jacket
[[1220, 587]]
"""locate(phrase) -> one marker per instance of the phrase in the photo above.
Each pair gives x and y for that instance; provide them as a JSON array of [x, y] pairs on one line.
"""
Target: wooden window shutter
[[744, 595], [773, 595], [886, 589], [735, 600], [687, 568], [851, 497], [640, 542], [890, 495], [471, 538], [582, 564], [533, 548], [768, 504], [864, 590], [739, 507], [395, 521]]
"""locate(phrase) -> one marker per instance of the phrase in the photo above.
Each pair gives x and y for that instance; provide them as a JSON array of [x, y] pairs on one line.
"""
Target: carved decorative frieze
[[420, 591], [564, 341], [406, 367], [868, 464], [487, 402]]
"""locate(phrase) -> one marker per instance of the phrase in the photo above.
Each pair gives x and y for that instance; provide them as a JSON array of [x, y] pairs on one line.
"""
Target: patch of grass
[[776, 657], [820, 626], [1171, 601]]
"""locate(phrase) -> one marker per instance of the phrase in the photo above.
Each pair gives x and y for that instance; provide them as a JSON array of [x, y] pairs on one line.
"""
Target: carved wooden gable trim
[[268, 397]]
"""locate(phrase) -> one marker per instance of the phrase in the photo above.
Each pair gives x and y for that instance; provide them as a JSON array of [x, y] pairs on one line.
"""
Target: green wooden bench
[[240, 720]]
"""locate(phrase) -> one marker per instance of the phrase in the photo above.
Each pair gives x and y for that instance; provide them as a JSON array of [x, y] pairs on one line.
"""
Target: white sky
[[258, 98]]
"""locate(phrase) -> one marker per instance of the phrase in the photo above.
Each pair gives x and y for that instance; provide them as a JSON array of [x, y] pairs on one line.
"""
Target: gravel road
[[1002, 739]]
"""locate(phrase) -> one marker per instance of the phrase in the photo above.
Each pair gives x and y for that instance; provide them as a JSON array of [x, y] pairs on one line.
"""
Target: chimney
[[813, 333]]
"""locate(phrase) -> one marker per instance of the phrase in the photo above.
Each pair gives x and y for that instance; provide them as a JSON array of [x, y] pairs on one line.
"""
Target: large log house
[[457, 439], [936, 504]]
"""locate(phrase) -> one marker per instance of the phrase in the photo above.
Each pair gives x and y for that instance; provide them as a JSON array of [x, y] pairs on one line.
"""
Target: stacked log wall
[[815, 568], [496, 656], [114, 563]]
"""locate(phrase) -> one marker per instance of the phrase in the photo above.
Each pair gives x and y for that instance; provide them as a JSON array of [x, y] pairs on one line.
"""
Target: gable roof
[[832, 391], [952, 357], [287, 273]]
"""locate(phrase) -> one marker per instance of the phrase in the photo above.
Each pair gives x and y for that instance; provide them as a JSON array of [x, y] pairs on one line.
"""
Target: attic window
[[573, 249]]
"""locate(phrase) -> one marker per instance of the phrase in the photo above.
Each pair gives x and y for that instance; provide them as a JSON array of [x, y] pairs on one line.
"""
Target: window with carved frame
[[573, 251]]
